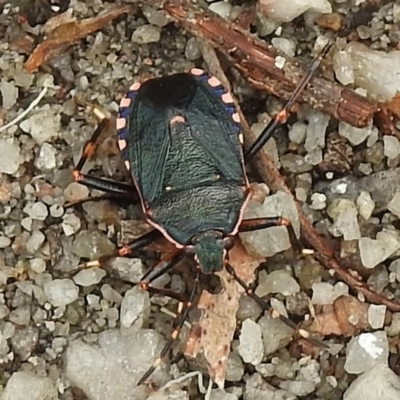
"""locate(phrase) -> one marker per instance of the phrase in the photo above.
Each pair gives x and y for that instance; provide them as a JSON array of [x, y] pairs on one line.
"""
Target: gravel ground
[[91, 334]]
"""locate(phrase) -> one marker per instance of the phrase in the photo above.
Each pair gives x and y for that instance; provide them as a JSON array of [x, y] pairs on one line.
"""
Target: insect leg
[[179, 322], [159, 269], [265, 306], [255, 224], [89, 149], [125, 250], [281, 118]]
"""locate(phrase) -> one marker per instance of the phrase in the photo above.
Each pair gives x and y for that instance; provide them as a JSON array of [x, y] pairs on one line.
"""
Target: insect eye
[[228, 243], [189, 250]]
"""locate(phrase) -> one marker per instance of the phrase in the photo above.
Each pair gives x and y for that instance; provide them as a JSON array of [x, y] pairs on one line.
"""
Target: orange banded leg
[[282, 117], [179, 322], [89, 149], [265, 306], [159, 269], [129, 248]]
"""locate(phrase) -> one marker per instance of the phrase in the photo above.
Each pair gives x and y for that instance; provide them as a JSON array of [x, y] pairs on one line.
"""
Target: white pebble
[[44, 124], [376, 316], [365, 205], [325, 293], [27, 385], [146, 34], [89, 276], [71, 224], [251, 347], [365, 351], [354, 135], [61, 292], [222, 8], [391, 146], [288, 10], [394, 204], [9, 94], [10, 157], [375, 251], [46, 159]]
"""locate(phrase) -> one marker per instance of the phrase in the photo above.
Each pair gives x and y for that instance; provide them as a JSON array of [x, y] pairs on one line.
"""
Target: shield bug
[[180, 138]]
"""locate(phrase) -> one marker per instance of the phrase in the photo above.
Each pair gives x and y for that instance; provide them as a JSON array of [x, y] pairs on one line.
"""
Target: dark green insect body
[[180, 138]]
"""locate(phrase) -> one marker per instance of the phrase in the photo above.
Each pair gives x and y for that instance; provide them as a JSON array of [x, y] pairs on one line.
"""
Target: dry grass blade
[[67, 32], [214, 332]]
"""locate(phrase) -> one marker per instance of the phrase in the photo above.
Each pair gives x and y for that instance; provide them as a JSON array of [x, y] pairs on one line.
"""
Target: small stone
[[391, 146], [75, 191], [4, 242], [383, 66], [135, 309], [374, 251], [90, 276], [298, 132], [221, 394], [27, 385], [288, 10], [192, 50], [46, 159], [284, 45], [235, 367], [380, 382], [34, 242], [376, 316], [56, 211], [110, 294], [395, 268], [267, 242], [44, 124], [146, 34], [222, 8], [366, 351], [71, 224], [250, 343], [4, 349], [37, 265], [96, 368], [299, 388], [10, 157], [26, 223], [344, 213], [61, 292], [248, 308], [318, 201], [394, 204], [20, 316], [128, 269], [295, 163], [354, 135], [279, 281], [394, 328], [24, 342], [365, 205], [91, 245], [316, 129], [343, 67], [9, 94], [155, 17], [325, 293], [258, 389], [37, 211], [275, 333]]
